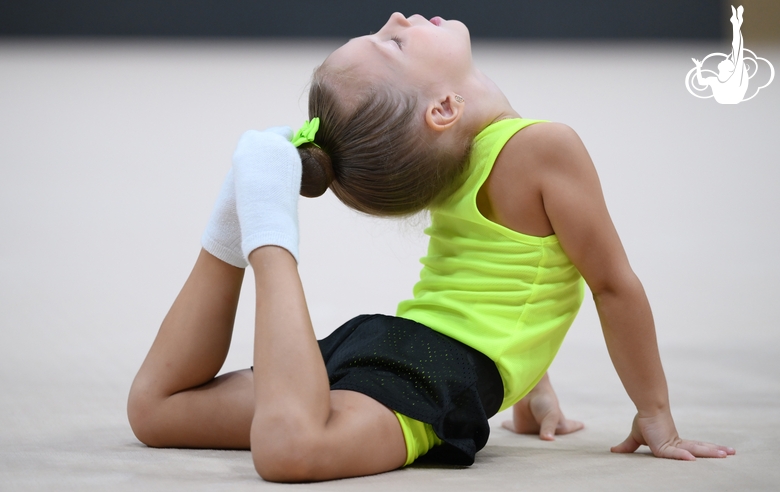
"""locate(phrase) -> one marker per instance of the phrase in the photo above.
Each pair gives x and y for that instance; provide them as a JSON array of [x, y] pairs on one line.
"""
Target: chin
[[462, 25], [465, 30]]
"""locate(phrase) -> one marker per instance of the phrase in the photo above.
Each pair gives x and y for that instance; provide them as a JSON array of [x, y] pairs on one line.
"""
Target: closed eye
[[397, 41]]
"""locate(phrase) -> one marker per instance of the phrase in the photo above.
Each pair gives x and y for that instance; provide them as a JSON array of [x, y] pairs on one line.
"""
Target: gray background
[[112, 153]]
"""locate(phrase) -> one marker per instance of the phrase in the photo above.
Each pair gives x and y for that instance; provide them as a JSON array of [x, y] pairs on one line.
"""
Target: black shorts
[[419, 373]]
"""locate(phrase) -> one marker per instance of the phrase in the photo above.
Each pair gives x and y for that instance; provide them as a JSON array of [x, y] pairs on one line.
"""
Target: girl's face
[[427, 55]]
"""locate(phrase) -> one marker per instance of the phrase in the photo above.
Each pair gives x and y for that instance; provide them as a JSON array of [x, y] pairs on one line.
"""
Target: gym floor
[[112, 154]]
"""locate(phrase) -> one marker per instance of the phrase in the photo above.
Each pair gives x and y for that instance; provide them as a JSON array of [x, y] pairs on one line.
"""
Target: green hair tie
[[306, 133]]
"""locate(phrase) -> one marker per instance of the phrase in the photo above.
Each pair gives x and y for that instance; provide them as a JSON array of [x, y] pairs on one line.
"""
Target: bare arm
[[574, 204]]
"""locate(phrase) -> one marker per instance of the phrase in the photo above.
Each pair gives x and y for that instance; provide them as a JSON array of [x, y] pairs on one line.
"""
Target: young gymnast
[[402, 121]]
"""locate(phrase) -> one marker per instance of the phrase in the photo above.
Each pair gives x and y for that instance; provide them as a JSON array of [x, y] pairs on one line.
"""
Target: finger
[[704, 449], [628, 446], [510, 425], [568, 426], [674, 453], [548, 426], [729, 450]]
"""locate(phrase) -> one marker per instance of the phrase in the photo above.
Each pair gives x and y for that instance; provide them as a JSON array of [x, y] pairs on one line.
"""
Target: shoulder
[[513, 193], [544, 143], [544, 155], [540, 161], [540, 152]]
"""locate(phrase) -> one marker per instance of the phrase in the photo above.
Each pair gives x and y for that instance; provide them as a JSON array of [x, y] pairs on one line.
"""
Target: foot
[[267, 174], [222, 237]]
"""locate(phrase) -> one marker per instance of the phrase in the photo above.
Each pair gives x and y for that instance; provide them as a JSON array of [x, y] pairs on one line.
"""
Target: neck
[[485, 104]]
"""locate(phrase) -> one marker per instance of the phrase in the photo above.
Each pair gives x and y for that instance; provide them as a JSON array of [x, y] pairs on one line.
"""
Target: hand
[[660, 434], [539, 412], [697, 62]]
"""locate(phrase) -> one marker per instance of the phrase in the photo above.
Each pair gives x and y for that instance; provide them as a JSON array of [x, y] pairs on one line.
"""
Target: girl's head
[[391, 133]]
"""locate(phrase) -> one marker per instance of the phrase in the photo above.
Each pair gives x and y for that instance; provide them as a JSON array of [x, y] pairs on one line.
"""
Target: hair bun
[[317, 173]]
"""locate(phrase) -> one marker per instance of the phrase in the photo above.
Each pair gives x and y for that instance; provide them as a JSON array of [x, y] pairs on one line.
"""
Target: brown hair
[[376, 153]]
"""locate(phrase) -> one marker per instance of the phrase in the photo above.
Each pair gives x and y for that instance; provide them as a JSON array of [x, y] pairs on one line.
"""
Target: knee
[[141, 410], [283, 463], [282, 453]]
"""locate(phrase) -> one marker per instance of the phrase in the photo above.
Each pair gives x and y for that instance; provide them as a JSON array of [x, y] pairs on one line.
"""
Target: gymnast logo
[[735, 71]]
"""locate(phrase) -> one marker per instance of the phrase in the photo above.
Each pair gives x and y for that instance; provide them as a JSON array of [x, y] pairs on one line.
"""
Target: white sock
[[222, 237], [267, 175]]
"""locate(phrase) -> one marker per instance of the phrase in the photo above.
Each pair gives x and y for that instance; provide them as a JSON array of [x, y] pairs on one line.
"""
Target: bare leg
[[175, 401], [299, 429], [302, 430]]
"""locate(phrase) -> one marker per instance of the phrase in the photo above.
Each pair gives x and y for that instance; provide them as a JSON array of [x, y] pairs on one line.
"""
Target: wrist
[[653, 410], [543, 386]]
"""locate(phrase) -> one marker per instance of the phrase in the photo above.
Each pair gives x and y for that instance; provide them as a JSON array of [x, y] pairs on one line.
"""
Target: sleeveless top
[[509, 295]]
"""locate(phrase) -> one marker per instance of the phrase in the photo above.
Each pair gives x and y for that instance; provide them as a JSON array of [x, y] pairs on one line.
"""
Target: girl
[[402, 121]]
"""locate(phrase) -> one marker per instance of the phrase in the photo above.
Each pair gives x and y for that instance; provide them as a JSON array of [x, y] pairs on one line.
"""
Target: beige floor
[[111, 155]]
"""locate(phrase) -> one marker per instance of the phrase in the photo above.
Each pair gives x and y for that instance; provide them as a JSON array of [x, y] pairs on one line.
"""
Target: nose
[[397, 20], [400, 19]]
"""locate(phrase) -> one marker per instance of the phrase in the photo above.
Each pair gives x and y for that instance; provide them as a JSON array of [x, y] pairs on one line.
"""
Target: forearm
[[629, 331]]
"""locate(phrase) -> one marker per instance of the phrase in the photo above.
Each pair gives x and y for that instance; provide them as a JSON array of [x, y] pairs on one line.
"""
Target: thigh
[[362, 437]]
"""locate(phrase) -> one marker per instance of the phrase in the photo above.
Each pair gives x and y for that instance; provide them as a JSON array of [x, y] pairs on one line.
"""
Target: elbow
[[624, 284]]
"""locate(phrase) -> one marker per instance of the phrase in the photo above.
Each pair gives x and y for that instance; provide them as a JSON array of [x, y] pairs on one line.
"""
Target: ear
[[443, 113]]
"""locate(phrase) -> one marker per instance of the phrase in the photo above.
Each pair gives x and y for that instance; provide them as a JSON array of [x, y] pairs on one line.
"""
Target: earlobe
[[442, 114]]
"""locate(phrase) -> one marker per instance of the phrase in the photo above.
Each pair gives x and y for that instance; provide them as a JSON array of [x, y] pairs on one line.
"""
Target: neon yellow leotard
[[509, 295]]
